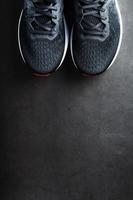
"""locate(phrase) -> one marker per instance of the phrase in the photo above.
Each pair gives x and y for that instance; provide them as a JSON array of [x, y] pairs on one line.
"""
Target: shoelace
[[45, 10], [95, 9]]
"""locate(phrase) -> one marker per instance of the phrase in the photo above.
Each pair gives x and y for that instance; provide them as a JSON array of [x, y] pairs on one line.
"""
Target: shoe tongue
[[90, 20], [41, 3], [44, 1], [43, 19]]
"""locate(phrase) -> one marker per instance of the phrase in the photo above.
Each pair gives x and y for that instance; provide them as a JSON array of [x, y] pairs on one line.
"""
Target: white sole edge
[[66, 43], [19, 44], [65, 47], [119, 45]]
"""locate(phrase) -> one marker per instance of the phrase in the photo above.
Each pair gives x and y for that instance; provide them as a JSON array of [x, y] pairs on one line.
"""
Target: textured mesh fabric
[[91, 19], [94, 56], [43, 19], [41, 54]]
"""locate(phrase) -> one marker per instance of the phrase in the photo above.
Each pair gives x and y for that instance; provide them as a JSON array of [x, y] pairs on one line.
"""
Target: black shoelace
[[96, 10], [45, 16]]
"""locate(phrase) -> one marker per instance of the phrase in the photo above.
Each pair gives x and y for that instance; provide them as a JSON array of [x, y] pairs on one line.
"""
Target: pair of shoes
[[95, 37]]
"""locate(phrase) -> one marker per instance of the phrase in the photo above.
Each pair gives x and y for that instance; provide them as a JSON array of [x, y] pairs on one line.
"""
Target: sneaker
[[96, 35], [42, 35]]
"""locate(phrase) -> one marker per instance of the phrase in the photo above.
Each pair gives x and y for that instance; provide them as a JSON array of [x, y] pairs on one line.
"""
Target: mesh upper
[[94, 56], [41, 54]]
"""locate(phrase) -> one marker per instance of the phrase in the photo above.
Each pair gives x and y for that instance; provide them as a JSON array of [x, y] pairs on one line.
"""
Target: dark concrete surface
[[65, 137]]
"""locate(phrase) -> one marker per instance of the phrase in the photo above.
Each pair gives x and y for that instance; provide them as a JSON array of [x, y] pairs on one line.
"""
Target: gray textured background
[[65, 137]]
